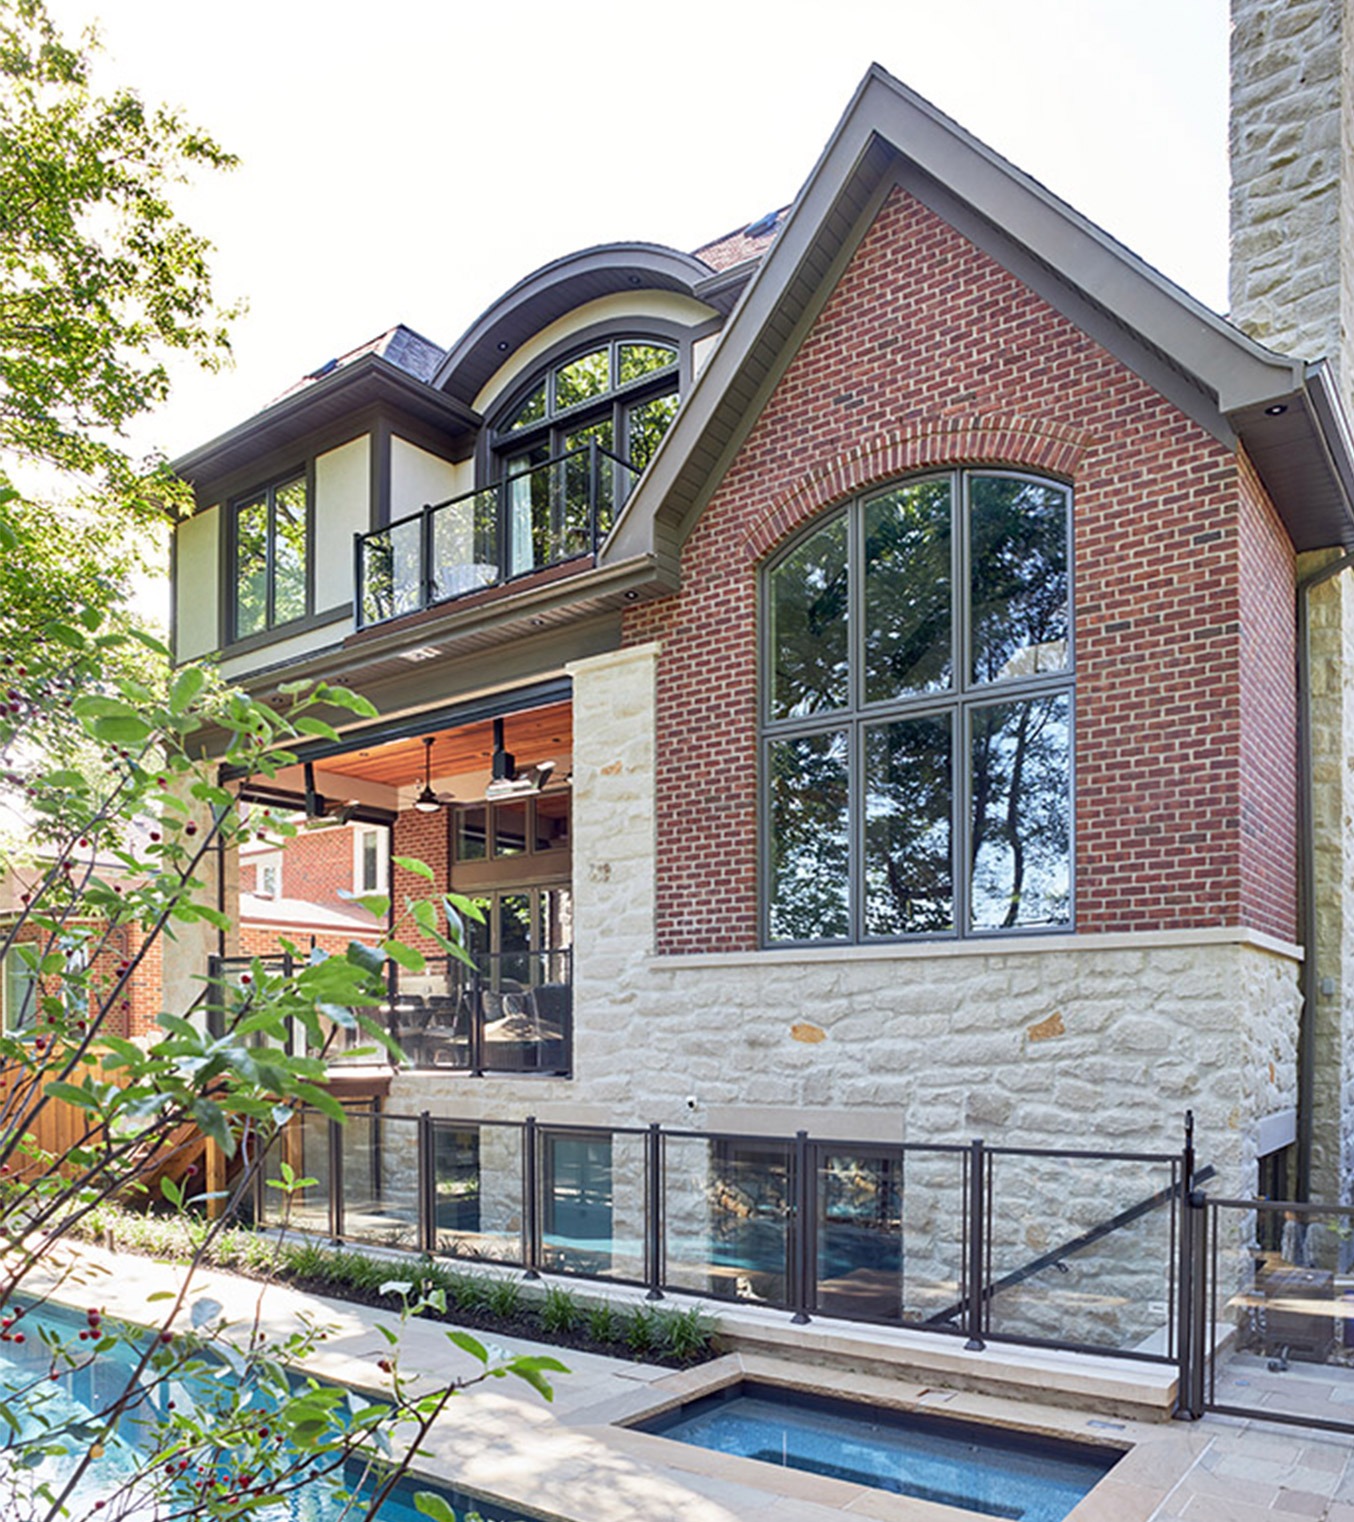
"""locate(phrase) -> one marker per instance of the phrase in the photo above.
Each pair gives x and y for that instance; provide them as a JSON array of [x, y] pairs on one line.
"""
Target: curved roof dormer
[[551, 292]]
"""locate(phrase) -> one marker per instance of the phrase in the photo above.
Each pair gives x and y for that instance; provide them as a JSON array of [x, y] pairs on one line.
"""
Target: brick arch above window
[[1005, 438]]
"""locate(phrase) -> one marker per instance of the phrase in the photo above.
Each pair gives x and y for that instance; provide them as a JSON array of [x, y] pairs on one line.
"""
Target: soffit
[[552, 291]]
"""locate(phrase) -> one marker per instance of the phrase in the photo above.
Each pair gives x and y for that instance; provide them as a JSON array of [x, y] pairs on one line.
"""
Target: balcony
[[511, 1013], [553, 513]]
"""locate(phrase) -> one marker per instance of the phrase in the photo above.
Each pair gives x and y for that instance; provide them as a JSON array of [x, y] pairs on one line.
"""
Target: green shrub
[[603, 1322], [685, 1334], [642, 1330], [560, 1310], [503, 1297]]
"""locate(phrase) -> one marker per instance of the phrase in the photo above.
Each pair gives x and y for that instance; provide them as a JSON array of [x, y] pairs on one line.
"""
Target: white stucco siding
[[418, 478], [342, 509], [662, 306], [197, 581]]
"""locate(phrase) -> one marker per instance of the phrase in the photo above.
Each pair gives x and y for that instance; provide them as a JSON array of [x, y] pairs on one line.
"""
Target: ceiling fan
[[428, 802], [507, 781]]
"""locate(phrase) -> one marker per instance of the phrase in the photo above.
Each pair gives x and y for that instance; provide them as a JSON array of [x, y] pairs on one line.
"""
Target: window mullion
[[270, 559], [855, 695]]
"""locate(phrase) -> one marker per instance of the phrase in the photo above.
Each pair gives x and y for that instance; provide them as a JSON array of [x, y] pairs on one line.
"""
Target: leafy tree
[[100, 278], [101, 749]]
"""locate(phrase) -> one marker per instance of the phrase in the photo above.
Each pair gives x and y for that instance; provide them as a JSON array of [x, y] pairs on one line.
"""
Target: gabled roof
[[1285, 412]]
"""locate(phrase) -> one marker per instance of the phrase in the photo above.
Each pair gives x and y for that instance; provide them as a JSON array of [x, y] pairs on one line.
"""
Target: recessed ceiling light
[[420, 653], [1277, 410], [503, 346]]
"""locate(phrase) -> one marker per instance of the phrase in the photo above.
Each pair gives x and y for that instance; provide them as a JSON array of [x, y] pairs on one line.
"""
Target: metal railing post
[[976, 1245], [476, 1052], [427, 1185], [359, 584], [335, 1181], [801, 1233], [216, 999], [427, 582], [653, 1214], [1190, 1397], [531, 1222]]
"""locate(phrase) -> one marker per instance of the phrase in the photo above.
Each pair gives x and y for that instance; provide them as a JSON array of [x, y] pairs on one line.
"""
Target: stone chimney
[[1291, 280], [1291, 287]]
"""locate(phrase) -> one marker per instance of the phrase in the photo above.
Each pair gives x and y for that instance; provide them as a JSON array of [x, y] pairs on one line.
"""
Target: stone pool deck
[[568, 1460]]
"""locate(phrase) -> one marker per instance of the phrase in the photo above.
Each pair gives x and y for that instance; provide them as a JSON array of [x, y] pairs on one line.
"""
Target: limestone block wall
[[1292, 212]]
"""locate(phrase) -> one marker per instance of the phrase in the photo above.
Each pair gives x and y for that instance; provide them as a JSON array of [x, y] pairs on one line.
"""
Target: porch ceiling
[[540, 734]]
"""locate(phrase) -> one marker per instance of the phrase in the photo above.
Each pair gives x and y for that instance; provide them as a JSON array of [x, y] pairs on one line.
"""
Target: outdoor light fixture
[[507, 781], [427, 801]]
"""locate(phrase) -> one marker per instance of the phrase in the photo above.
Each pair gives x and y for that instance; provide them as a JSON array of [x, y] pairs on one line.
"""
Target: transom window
[[270, 557], [917, 715]]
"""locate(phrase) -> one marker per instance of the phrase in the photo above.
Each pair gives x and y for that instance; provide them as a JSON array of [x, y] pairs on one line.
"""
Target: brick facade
[[929, 353]]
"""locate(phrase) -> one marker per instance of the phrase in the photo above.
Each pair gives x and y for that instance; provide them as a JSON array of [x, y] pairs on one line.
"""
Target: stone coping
[[575, 1460]]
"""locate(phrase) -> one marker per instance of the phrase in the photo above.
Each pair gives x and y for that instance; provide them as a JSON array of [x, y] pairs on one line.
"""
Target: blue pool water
[[68, 1401], [985, 1469]]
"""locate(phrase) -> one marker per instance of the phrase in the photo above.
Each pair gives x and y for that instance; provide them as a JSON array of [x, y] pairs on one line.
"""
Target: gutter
[[1306, 1054]]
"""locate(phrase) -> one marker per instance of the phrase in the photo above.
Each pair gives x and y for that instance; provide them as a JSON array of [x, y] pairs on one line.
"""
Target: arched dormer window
[[572, 443]]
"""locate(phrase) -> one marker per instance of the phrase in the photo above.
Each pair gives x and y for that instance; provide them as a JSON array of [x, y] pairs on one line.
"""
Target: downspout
[[1306, 1055]]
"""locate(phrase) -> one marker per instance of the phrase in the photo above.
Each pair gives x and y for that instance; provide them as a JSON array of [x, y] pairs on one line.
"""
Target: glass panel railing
[[303, 1144], [1282, 1310], [593, 1203], [380, 1180], [859, 1232], [533, 519], [726, 1206], [477, 1185], [465, 545], [1082, 1250]]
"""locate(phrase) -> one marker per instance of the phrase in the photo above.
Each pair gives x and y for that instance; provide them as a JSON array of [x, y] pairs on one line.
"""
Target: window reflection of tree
[[959, 586]]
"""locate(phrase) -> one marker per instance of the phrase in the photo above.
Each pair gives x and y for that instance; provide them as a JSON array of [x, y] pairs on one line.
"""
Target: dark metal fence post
[[427, 1185], [531, 1222], [476, 1023], [359, 583], [216, 999], [976, 1245], [1185, 1310], [335, 1181], [653, 1214], [1190, 1400], [428, 581], [801, 1232]]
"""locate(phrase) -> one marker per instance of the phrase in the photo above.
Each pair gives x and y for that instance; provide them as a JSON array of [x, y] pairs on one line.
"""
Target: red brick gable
[[930, 353]]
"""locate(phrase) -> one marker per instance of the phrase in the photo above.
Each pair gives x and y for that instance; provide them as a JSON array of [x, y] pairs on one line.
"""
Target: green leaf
[[407, 957], [354, 702], [469, 1344], [186, 687], [307, 724], [368, 958], [418, 868], [427, 1504], [118, 730]]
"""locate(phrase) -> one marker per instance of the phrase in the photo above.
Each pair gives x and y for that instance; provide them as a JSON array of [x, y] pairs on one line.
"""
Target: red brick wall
[[425, 838], [316, 864], [135, 1010], [1269, 712], [930, 353]]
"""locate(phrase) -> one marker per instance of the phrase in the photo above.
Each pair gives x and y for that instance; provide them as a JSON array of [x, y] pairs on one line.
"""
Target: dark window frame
[[959, 701], [267, 491], [613, 405]]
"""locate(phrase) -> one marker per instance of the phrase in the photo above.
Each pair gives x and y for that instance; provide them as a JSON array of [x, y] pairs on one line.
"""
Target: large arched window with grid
[[916, 735]]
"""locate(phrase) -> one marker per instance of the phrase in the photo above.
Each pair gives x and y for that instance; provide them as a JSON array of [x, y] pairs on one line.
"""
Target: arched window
[[573, 443], [917, 715]]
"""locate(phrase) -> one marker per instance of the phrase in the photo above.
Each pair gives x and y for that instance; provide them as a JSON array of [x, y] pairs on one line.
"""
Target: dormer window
[[270, 557], [616, 399]]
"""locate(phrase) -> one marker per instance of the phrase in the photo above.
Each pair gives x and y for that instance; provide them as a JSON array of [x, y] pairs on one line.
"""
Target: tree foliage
[[99, 277]]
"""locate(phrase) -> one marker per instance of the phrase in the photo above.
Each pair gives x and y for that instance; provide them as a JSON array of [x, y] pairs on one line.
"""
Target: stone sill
[[1013, 946]]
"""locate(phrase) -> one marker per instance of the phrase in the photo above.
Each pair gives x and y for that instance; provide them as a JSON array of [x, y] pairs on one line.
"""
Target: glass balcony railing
[[557, 511]]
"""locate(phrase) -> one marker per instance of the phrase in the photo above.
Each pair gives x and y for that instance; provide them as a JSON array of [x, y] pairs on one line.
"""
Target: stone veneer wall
[[1060, 1041], [1292, 287]]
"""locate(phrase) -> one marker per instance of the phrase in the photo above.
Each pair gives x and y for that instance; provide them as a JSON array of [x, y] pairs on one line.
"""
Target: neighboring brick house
[[903, 590]]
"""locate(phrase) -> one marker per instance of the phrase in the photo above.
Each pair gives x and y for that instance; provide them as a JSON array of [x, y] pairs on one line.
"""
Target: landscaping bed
[[503, 1306]]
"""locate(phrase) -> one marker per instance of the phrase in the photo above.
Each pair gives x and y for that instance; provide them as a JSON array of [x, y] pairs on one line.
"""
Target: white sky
[[407, 161]]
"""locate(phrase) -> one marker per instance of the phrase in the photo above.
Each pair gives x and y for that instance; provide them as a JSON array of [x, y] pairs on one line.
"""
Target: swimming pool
[[985, 1469], [61, 1407]]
